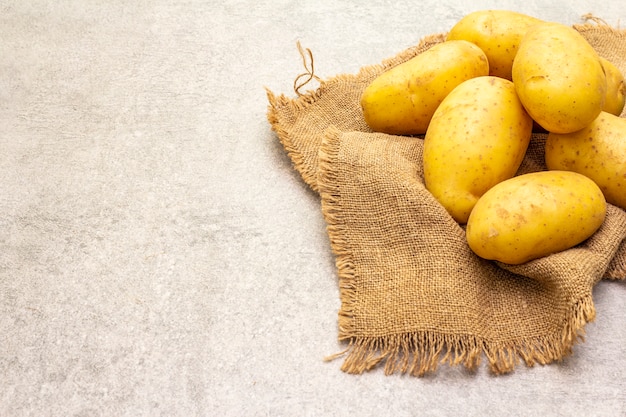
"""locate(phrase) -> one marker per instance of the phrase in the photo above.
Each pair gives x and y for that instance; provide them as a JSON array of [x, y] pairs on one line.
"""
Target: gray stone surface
[[158, 254]]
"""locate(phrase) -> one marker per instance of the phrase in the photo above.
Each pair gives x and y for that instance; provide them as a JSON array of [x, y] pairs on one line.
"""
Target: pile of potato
[[477, 97]]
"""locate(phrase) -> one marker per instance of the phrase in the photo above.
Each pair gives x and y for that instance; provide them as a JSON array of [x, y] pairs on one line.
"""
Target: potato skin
[[615, 88], [498, 33], [534, 215], [598, 151], [402, 100], [477, 137], [559, 78]]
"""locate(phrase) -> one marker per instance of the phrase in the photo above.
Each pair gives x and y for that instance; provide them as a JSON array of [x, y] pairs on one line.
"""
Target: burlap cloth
[[413, 295]]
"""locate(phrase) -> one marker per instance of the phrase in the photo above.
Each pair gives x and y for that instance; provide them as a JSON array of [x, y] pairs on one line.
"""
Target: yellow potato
[[598, 151], [559, 78], [498, 33], [477, 137], [534, 215], [615, 88], [403, 99]]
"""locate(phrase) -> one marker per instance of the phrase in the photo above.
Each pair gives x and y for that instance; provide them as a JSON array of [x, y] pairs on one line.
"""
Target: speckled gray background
[[158, 254]]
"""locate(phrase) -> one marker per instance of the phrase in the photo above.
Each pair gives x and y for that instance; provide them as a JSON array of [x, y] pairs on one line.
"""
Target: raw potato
[[498, 33], [559, 78], [402, 100], [615, 88], [534, 215], [597, 151], [477, 137]]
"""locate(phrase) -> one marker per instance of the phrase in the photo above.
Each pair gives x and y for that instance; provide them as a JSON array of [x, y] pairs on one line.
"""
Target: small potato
[[598, 151], [615, 88], [534, 215], [498, 33], [559, 78], [478, 137], [402, 100]]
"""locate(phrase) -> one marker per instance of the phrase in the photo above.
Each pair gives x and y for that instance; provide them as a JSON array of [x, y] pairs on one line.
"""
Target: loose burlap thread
[[413, 295]]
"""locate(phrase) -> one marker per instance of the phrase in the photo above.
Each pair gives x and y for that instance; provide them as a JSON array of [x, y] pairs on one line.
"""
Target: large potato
[[615, 88], [534, 215], [597, 151], [498, 33], [403, 99], [559, 78], [477, 137]]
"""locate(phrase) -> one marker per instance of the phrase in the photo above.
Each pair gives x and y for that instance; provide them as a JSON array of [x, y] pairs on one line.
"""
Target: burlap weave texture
[[413, 294]]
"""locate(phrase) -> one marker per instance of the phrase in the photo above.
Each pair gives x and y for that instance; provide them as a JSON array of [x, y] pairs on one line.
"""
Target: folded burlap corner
[[413, 295]]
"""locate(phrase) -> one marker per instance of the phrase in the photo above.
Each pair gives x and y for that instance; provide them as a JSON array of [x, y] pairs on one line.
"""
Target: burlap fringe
[[293, 151], [331, 202], [421, 352], [293, 107]]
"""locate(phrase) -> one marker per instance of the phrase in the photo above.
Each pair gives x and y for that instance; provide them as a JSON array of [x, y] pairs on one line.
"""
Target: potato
[[477, 137], [559, 78], [597, 151], [403, 99], [534, 215], [498, 33], [615, 89]]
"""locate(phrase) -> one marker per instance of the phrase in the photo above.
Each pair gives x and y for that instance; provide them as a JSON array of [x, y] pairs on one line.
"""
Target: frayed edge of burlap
[[295, 106], [421, 352], [331, 209]]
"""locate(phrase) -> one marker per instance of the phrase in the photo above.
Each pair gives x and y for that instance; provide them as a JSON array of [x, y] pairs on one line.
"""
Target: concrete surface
[[158, 254]]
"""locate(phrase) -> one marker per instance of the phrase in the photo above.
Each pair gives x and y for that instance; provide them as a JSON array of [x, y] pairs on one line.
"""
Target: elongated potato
[[477, 137], [403, 99], [534, 215], [615, 88], [498, 33], [559, 78], [598, 151]]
